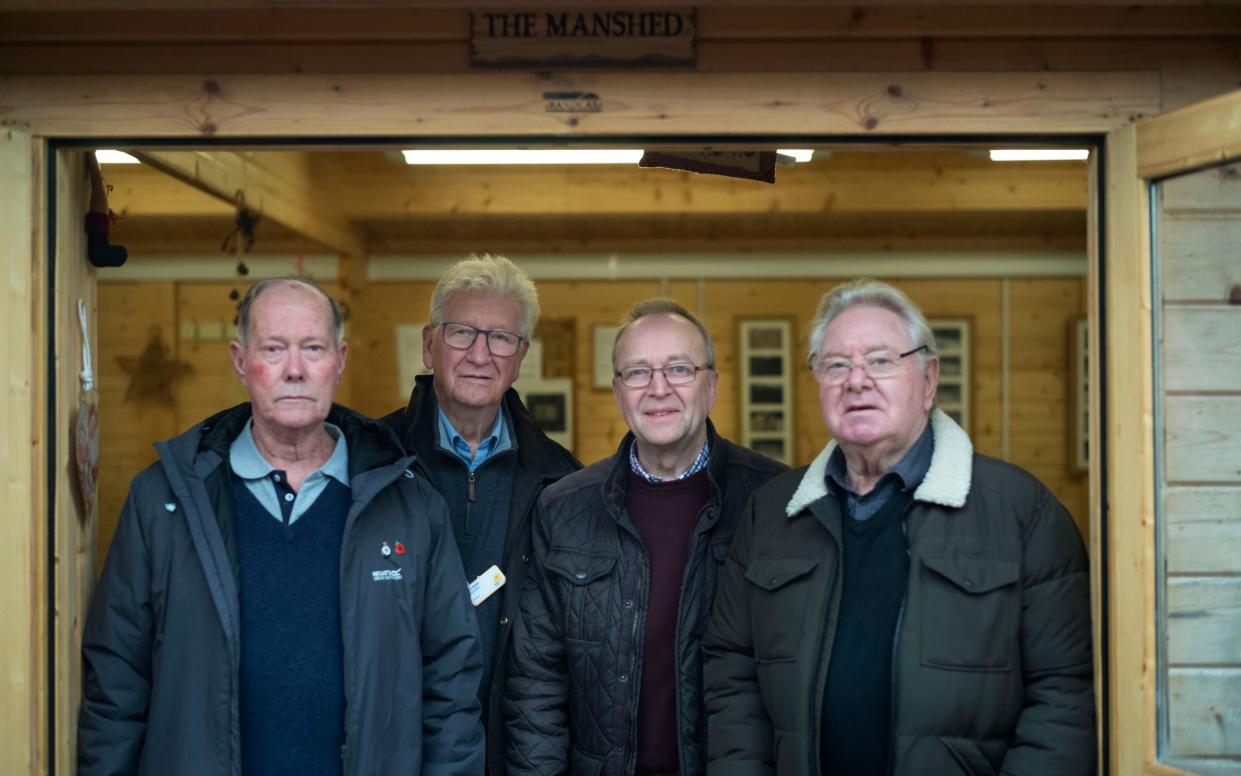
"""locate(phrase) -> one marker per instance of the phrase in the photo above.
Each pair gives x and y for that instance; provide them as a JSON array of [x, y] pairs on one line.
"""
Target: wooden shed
[[1093, 303]]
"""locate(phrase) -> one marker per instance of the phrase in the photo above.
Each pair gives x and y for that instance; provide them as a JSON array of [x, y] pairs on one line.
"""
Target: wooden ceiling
[[368, 201]]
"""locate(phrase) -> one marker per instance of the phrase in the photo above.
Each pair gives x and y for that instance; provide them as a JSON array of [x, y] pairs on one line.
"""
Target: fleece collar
[[946, 483]]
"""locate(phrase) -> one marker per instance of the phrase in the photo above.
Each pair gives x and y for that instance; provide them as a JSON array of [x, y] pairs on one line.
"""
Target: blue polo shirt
[[270, 485], [496, 442]]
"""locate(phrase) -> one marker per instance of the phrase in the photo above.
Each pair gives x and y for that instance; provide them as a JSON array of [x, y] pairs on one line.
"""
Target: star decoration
[[152, 373]]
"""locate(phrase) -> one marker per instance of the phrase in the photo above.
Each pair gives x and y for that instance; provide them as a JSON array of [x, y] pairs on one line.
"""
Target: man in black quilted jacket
[[606, 669]]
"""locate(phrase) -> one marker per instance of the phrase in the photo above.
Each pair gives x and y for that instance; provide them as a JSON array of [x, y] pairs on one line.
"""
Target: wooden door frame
[[194, 111], [1181, 141]]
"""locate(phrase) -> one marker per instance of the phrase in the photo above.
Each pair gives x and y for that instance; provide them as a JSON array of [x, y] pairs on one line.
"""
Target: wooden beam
[[1200, 134], [141, 191], [513, 104], [275, 185], [368, 186], [23, 602]]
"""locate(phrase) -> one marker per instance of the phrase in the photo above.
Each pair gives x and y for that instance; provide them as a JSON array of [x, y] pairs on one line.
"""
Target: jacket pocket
[[587, 581], [969, 612], [779, 589], [966, 753], [582, 764]]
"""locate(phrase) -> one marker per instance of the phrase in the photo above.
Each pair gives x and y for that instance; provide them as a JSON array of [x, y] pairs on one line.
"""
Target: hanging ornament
[[86, 429]]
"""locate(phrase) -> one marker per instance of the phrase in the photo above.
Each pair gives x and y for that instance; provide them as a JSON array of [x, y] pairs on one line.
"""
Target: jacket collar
[[535, 451], [946, 483]]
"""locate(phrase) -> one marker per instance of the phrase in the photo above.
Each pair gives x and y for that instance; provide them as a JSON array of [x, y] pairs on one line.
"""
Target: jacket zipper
[[470, 494], [693, 556], [814, 731], [894, 675]]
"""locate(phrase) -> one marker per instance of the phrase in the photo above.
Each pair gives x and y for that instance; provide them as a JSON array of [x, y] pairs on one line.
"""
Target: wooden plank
[[22, 590], [75, 516], [1204, 618], [965, 21], [276, 185], [141, 191], [1201, 351], [1203, 529], [1202, 439], [1198, 258], [1129, 461], [1204, 133], [1203, 717], [369, 186], [512, 105], [1214, 189]]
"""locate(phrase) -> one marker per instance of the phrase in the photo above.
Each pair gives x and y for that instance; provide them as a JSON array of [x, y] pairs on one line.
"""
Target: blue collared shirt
[[269, 485], [700, 463], [906, 475], [497, 441]]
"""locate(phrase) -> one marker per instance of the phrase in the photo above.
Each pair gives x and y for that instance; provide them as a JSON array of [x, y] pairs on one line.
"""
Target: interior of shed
[[995, 254]]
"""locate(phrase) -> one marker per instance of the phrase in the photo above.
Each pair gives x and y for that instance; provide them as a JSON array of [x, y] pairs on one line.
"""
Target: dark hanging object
[[241, 239], [99, 220]]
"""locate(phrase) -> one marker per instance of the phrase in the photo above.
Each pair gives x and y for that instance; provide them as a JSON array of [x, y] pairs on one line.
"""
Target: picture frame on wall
[[603, 337], [765, 383]]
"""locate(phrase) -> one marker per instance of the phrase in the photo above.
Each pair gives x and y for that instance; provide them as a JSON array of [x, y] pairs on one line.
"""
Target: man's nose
[[478, 352], [659, 384], [858, 378], [295, 365]]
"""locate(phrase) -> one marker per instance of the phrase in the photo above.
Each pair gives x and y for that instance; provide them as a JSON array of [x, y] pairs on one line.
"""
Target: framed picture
[[765, 369], [550, 401], [603, 338], [408, 358], [953, 339]]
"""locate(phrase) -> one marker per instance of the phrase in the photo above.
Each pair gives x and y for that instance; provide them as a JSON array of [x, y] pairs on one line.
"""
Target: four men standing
[[287, 590]]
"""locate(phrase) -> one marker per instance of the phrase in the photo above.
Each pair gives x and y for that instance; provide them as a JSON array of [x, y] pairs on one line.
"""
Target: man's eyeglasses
[[676, 374], [878, 365], [460, 336]]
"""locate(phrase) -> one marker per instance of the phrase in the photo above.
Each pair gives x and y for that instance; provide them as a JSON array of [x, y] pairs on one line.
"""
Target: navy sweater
[[292, 675]]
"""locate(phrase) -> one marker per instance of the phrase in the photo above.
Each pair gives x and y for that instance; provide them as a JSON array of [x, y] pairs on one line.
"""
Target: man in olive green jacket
[[902, 605]]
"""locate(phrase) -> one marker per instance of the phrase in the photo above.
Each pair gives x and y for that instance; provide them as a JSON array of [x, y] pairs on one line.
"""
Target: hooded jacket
[[540, 462], [572, 698], [161, 649], [992, 664]]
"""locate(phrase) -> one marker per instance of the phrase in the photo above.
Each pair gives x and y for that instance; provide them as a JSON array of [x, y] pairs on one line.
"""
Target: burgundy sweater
[[664, 514]]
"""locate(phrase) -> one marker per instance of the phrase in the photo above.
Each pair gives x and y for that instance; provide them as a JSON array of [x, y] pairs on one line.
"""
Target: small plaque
[[555, 38]]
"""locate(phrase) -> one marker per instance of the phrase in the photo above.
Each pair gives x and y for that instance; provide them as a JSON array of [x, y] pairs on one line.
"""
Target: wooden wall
[[1039, 311], [1199, 240]]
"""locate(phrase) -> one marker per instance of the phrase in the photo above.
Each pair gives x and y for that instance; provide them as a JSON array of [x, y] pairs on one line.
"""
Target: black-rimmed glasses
[[461, 336]]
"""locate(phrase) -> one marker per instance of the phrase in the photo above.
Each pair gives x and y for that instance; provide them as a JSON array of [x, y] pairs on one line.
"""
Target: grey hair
[[485, 272], [247, 303], [663, 306], [867, 292]]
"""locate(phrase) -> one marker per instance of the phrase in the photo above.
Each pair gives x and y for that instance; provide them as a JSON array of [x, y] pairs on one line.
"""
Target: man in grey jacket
[[283, 595]]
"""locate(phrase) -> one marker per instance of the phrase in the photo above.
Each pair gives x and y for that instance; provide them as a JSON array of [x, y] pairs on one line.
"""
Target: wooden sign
[[751, 165], [573, 38]]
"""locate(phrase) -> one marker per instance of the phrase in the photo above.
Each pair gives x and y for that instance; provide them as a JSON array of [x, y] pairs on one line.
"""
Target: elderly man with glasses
[[902, 605], [481, 448], [607, 671]]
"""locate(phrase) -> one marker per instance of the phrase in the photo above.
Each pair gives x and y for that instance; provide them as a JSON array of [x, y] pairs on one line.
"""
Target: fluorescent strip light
[[108, 156], [524, 156], [1039, 154], [798, 154], [547, 156]]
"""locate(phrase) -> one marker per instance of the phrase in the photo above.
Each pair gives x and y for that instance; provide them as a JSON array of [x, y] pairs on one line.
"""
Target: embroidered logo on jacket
[[386, 575]]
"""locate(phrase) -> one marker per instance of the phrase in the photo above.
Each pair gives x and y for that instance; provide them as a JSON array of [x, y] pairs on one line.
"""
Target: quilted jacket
[[992, 665], [571, 700]]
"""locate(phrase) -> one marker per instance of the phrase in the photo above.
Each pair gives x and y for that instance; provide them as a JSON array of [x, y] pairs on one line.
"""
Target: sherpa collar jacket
[[992, 662], [572, 698], [161, 649]]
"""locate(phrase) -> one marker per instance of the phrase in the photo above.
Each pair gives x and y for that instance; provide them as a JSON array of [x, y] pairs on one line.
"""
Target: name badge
[[487, 583]]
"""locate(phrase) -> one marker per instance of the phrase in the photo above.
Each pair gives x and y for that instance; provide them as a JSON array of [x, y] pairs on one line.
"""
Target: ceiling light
[[547, 156], [524, 156], [109, 156], [1039, 154]]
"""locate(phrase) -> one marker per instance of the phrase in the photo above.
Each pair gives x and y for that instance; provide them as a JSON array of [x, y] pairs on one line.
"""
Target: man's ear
[[932, 382], [238, 355], [428, 339]]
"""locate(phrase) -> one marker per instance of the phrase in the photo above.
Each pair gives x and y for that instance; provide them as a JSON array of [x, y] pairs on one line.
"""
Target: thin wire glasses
[[677, 373], [461, 336], [834, 370]]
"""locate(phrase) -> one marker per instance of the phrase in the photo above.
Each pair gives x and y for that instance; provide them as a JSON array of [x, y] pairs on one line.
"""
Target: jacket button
[[623, 677], [525, 557], [504, 620], [628, 603], [772, 581], [580, 575], [968, 582], [619, 750]]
